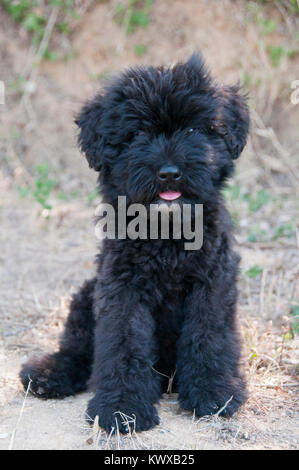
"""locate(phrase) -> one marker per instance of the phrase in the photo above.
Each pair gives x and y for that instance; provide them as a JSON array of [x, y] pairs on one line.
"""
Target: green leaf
[[140, 49], [292, 53], [139, 18], [42, 169], [50, 55], [256, 233], [267, 25], [231, 192], [255, 203], [23, 192], [275, 54], [63, 27], [283, 230], [32, 22], [288, 336], [254, 271], [294, 312]]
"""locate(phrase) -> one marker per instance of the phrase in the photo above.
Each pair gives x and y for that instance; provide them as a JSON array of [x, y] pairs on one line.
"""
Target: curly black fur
[[154, 307]]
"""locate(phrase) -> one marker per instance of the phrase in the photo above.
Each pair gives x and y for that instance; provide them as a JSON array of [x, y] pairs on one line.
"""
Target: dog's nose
[[169, 173]]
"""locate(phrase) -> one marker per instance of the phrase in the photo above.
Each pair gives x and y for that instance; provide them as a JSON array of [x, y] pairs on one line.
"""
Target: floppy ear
[[232, 121], [89, 139]]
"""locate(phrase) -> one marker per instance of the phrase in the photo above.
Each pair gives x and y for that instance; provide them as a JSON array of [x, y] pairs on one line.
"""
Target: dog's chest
[[169, 268]]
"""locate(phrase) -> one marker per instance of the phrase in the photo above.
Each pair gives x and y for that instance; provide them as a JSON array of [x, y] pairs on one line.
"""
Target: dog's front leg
[[125, 350], [208, 353]]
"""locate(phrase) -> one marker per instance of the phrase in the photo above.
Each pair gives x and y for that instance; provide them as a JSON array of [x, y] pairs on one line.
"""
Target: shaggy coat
[[155, 309]]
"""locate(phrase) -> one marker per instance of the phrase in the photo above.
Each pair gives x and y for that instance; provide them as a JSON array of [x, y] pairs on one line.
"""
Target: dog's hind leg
[[67, 371]]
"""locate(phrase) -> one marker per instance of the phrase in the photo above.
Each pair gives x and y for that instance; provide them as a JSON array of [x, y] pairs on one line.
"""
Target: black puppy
[[154, 307]]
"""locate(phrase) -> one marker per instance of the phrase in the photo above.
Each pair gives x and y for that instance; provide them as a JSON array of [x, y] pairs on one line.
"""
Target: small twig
[[110, 436], [238, 430], [81, 10], [170, 383], [33, 71], [19, 418], [281, 349], [47, 34], [269, 245], [290, 384], [269, 133], [285, 16], [262, 292], [224, 406], [170, 379], [117, 433]]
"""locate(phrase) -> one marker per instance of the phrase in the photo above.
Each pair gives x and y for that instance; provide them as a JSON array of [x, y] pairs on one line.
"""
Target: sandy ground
[[45, 256]]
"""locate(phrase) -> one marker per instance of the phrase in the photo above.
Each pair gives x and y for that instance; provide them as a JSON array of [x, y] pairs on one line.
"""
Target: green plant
[[92, 196], [231, 192], [275, 54], [266, 25], [24, 192], [63, 27], [254, 271], [133, 13], [294, 6], [17, 84], [246, 80], [255, 10], [50, 55], [27, 13], [294, 324], [33, 16], [294, 321], [140, 49], [42, 188], [67, 197], [256, 234], [283, 230], [18, 10], [256, 202]]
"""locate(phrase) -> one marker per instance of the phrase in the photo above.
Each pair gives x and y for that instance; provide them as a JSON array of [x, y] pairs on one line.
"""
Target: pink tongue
[[170, 195]]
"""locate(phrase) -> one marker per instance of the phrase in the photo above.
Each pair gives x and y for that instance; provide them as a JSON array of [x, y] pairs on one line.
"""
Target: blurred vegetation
[[45, 190], [133, 13], [42, 187], [294, 314], [33, 15], [259, 13]]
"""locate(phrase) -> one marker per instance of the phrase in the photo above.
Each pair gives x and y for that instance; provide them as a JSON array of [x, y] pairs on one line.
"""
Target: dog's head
[[164, 133]]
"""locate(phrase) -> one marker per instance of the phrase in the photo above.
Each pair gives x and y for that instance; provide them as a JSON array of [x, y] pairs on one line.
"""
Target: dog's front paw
[[44, 379], [221, 407], [215, 403], [125, 417]]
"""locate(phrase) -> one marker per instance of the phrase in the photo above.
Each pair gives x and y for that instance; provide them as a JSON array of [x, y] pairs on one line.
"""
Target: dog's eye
[[192, 130], [217, 128], [134, 134], [137, 133]]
